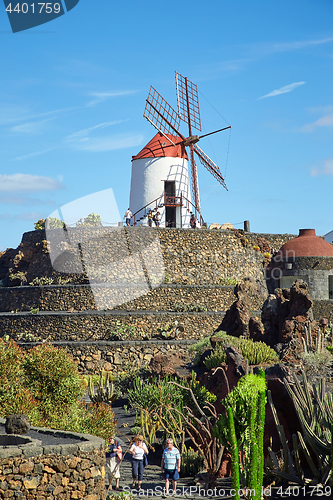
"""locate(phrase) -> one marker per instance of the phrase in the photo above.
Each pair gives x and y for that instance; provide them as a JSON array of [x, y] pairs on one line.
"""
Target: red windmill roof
[[160, 147], [307, 244]]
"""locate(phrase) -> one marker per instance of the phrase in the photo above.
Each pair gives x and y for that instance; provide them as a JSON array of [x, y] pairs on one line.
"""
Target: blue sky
[[72, 95]]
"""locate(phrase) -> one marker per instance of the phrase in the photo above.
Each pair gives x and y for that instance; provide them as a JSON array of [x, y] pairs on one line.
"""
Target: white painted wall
[[147, 184], [329, 237]]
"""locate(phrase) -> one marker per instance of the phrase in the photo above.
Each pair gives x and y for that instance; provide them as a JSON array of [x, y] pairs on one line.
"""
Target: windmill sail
[[188, 101], [210, 165], [161, 115]]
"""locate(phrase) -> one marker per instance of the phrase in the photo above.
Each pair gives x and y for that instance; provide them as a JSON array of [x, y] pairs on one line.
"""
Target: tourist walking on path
[[193, 222], [128, 216], [138, 450], [170, 465], [157, 219], [114, 456], [150, 218]]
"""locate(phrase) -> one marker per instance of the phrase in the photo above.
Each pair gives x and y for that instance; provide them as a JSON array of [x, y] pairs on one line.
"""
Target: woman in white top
[[138, 450]]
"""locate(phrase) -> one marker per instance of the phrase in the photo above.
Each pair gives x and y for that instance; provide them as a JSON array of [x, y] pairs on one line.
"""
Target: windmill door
[[170, 208]]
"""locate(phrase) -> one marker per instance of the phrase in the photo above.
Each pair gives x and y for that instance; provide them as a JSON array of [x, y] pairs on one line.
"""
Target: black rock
[[17, 424]]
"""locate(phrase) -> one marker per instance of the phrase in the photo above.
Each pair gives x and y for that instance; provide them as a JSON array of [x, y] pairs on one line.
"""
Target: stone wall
[[81, 298], [118, 356], [127, 254], [101, 325], [323, 309], [63, 472]]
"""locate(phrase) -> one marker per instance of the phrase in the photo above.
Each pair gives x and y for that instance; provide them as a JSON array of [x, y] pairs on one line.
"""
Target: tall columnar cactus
[[234, 453], [253, 459], [260, 437], [246, 414]]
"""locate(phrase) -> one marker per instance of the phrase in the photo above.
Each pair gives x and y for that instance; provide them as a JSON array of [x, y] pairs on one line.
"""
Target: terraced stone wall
[[101, 325], [54, 472], [81, 298], [118, 356]]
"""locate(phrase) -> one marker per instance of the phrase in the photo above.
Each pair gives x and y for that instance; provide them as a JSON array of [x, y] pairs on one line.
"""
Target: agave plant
[[314, 408]]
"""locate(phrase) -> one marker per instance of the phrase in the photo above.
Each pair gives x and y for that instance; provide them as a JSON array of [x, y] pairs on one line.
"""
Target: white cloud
[[24, 201], [84, 139], [287, 46], [320, 109], [30, 155], [83, 135], [324, 121], [27, 182], [265, 49], [325, 168], [283, 90], [11, 113], [31, 128], [109, 143], [103, 96]]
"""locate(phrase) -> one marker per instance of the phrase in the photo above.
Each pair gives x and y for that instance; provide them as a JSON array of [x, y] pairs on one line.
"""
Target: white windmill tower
[[160, 176]]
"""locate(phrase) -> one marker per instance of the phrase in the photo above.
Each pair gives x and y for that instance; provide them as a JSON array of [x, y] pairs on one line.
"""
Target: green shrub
[[255, 352], [49, 223], [19, 400], [192, 462], [91, 220], [52, 376], [97, 420], [45, 385], [11, 357], [14, 398], [18, 275], [227, 281], [121, 331], [44, 280], [203, 344]]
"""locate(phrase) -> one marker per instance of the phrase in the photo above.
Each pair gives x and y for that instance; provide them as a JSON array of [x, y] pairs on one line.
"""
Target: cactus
[[245, 423], [104, 393], [234, 453], [255, 352], [192, 462], [314, 409]]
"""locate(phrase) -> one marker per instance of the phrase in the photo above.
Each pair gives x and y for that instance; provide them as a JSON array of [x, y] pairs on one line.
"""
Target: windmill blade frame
[[210, 165], [188, 102], [195, 183], [161, 115]]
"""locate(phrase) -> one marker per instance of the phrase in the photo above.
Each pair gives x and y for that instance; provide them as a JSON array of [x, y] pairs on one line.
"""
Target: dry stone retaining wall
[[63, 472], [100, 325], [80, 298], [118, 356]]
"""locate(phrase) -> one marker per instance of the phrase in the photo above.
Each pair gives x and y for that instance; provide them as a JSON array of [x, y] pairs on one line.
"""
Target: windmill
[[167, 121]]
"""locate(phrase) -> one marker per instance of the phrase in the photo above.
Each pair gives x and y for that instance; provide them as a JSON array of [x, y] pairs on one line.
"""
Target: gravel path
[[153, 481]]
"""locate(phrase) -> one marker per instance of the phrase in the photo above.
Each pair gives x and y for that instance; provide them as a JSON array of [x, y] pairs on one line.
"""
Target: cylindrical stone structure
[[160, 182]]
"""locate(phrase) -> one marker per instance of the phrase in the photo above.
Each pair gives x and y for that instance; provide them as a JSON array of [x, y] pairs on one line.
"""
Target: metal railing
[[172, 201]]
